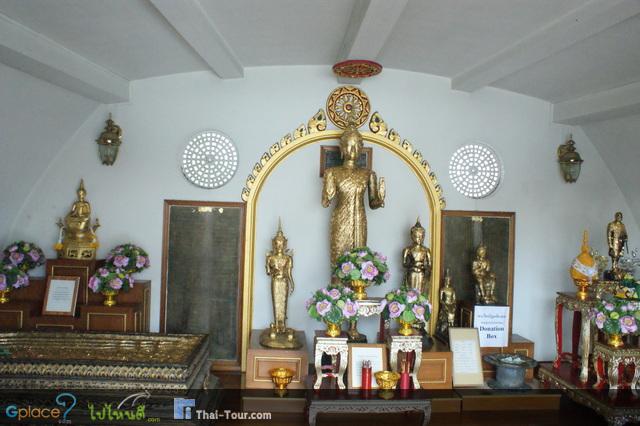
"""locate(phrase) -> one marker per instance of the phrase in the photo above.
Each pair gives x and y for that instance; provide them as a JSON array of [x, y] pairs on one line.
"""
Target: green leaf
[[408, 316]]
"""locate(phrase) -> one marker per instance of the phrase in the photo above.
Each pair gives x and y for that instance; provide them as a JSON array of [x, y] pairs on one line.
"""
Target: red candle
[[405, 383], [366, 375]]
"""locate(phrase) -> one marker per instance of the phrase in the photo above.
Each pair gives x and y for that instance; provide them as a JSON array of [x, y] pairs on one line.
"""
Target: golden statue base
[[270, 338], [77, 251]]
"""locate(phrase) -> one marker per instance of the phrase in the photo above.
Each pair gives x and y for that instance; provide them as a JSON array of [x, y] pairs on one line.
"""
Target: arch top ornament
[[315, 130], [318, 124]]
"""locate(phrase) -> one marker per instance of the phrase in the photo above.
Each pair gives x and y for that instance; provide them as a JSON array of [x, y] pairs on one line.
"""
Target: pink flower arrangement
[[333, 304], [362, 264], [108, 278], [11, 276], [406, 304], [23, 255], [128, 258], [617, 316]]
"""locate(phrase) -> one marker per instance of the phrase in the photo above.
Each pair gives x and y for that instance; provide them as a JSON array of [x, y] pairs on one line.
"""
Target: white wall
[[269, 102], [36, 119], [617, 142]]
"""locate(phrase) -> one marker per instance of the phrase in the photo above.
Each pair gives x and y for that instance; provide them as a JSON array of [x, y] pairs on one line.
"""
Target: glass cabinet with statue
[[478, 255]]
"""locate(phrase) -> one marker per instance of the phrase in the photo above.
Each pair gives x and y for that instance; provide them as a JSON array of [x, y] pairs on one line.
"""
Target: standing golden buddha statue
[[77, 238], [448, 305], [348, 184], [279, 265], [485, 279], [417, 261], [617, 241]]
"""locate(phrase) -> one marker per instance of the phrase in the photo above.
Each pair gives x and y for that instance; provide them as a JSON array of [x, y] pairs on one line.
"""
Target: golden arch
[[312, 133]]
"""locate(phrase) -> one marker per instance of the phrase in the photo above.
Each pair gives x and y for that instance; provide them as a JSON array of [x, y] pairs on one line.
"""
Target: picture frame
[[467, 358], [61, 296], [462, 231], [330, 157], [202, 275], [358, 352]]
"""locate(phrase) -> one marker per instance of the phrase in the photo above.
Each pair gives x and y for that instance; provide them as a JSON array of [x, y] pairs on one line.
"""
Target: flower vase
[[359, 288], [109, 297], [4, 295], [406, 328], [615, 340], [333, 329]]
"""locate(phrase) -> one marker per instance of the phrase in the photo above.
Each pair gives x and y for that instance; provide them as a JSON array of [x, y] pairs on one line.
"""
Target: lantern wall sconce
[[109, 142], [570, 160]]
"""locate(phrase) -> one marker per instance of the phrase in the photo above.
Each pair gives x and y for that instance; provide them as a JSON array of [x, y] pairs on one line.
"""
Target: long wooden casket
[[107, 372]]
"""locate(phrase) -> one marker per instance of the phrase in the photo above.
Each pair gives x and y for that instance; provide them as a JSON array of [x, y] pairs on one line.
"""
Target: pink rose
[[120, 261], [395, 309], [323, 307], [141, 262], [94, 284], [115, 283]]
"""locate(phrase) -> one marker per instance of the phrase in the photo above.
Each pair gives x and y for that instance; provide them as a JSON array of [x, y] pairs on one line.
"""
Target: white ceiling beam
[[24, 49], [614, 103], [579, 24], [369, 28], [191, 21]]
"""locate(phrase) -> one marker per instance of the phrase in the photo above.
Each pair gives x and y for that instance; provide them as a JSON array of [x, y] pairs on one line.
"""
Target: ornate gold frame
[[315, 131]]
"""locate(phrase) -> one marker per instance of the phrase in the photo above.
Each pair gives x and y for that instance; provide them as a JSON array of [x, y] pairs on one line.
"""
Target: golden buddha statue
[[485, 279], [448, 305], [77, 238], [279, 265], [417, 261], [348, 184], [617, 241]]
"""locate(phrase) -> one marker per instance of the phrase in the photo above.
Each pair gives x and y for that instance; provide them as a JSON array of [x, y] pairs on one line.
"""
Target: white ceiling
[[556, 50]]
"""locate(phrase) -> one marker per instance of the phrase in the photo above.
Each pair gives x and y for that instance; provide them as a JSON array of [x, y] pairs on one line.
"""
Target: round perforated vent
[[475, 170], [210, 159]]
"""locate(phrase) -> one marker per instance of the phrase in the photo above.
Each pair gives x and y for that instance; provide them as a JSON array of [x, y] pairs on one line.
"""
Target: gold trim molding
[[316, 131]]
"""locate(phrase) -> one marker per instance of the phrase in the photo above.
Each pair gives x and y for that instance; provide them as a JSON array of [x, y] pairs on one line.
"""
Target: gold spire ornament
[[416, 260], [279, 265], [584, 269], [77, 238]]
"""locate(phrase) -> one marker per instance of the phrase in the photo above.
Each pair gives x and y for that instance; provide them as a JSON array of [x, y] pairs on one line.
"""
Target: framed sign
[[202, 258], [359, 352], [492, 323], [61, 296], [330, 157], [462, 233], [467, 363]]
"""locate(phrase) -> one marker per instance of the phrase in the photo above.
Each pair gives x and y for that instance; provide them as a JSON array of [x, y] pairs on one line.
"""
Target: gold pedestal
[[261, 360], [270, 338], [77, 251], [4, 295]]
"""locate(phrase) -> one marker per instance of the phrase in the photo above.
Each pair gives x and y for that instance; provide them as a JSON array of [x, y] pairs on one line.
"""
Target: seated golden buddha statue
[[77, 239]]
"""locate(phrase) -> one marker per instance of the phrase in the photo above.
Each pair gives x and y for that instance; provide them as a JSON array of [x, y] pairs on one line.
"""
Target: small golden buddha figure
[[348, 184], [485, 279], [617, 241], [279, 265], [448, 305], [416, 260], [77, 239]]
